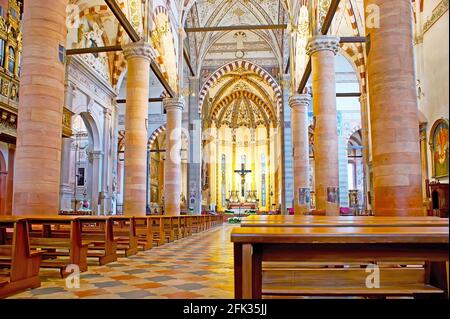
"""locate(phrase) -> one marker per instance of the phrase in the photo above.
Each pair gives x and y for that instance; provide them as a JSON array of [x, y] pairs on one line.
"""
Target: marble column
[[41, 100], [322, 50], [366, 147], [393, 109], [105, 200], [95, 159], [300, 143], [138, 56], [172, 166], [66, 190], [195, 149]]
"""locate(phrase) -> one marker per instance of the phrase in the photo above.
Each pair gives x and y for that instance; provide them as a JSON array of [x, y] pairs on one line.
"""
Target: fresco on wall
[[439, 149]]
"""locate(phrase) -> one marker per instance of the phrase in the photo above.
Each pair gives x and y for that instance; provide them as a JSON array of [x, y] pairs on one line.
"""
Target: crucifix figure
[[242, 172]]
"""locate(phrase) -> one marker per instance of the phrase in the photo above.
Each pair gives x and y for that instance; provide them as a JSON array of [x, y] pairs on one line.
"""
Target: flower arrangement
[[234, 220]]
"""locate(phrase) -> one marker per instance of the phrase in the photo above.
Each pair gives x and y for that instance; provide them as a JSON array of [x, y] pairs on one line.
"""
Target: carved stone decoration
[[138, 49], [322, 43], [438, 12]]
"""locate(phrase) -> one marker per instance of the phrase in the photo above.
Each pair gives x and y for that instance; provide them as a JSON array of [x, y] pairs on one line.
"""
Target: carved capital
[[323, 43], [300, 100], [139, 49], [176, 103]]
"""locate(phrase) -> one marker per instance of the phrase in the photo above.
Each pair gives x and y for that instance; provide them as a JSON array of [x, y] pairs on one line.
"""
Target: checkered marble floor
[[200, 266]]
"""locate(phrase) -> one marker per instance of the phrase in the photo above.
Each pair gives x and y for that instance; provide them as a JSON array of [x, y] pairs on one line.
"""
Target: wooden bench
[[271, 271], [20, 264], [99, 231], [59, 249], [144, 229], [125, 234], [341, 221], [384, 246]]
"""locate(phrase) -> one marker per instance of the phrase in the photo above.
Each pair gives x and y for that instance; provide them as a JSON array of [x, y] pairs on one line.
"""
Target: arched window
[[12, 60], [2, 52]]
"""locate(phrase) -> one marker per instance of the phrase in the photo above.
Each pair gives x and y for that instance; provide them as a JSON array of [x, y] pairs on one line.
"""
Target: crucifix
[[242, 172]]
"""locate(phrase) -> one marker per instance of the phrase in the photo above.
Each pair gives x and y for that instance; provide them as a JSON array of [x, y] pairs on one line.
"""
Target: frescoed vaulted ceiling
[[269, 49]]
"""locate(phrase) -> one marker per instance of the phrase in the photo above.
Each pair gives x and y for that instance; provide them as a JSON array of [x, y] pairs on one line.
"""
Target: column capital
[[139, 49], [176, 103], [323, 43], [297, 100]]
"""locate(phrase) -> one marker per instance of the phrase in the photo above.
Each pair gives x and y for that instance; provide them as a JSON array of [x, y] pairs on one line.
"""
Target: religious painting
[[304, 196], [154, 169], [439, 149], [154, 194], [332, 195]]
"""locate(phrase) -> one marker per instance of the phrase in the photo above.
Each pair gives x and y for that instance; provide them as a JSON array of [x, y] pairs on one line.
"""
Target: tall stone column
[[322, 50], [105, 200], [366, 146], [195, 149], [299, 104], [95, 159], [393, 109], [287, 179], [138, 56], [172, 166], [66, 190], [39, 131]]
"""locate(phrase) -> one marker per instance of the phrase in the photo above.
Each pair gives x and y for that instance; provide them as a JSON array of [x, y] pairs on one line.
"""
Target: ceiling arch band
[[232, 66]]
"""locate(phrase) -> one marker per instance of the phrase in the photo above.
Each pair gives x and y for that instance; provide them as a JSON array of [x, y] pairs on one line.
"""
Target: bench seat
[[412, 290]]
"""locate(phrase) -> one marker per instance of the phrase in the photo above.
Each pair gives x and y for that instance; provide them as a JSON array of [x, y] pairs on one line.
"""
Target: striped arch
[[356, 51], [352, 132], [234, 65], [155, 135], [238, 94], [158, 132]]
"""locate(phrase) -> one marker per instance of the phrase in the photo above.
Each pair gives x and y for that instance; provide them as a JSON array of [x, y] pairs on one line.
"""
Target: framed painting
[[439, 149]]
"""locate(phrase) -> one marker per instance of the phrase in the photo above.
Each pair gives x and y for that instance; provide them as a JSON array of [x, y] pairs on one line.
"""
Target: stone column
[[299, 104], [322, 50], [195, 149], [287, 182], [10, 179], [393, 109], [138, 56], [105, 200], [366, 146], [172, 166], [66, 190], [39, 131], [96, 165], [424, 165]]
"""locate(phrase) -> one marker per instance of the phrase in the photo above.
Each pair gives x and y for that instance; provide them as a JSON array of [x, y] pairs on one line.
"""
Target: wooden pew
[[163, 228], [20, 263], [362, 245], [125, 234], [341, 221], [59, 251], [272, 271], [144, 229], [98, 230]]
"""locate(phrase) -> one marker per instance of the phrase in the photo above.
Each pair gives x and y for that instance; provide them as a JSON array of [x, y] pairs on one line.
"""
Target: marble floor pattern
[[200, 266]]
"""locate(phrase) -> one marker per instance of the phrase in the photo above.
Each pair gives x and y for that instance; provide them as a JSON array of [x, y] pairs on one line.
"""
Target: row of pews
[[338, 256], [28, 244]]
